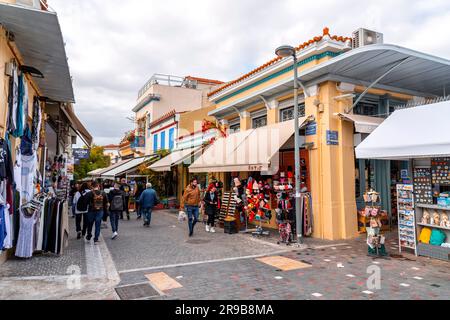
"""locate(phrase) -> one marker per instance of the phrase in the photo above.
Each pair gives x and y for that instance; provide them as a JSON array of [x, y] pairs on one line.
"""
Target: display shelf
[[429, 206], [406, 217], [432, 226]]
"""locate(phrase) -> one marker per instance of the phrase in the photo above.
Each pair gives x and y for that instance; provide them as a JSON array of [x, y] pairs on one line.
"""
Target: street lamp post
[[288, 51]]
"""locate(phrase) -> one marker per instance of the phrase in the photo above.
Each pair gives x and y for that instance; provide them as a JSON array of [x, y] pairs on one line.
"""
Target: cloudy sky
[[115, 46]]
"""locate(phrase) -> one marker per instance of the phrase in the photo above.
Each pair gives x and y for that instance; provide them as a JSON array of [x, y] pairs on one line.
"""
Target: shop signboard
[[332, 138], [79, 154], [311, 129]]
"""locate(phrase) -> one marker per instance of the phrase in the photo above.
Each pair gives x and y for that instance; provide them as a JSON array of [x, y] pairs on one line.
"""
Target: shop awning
[[363, 124], [173, 159], [129, 166], [111, 167], [251, 150], [418, 132], [420, 74], [38, 37], [95, 172], [76, 124]]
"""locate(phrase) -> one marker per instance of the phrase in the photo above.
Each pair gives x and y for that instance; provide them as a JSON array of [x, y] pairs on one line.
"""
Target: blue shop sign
[[79, 154], [332, 138], [311, 129]]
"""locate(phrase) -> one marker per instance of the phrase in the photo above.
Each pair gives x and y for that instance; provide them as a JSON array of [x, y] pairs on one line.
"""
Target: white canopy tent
[[251, 150], [418, 132], [127, 167], [175, 158]]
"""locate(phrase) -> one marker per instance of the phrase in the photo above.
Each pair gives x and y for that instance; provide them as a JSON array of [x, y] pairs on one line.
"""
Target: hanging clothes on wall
[[26, 143], [26, 243], [28, 174], [13, 99], [22, 107], [6, 166], [36, 125]]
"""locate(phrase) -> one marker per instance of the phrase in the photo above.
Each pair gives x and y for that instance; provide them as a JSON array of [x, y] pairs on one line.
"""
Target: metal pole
[[298, 215]]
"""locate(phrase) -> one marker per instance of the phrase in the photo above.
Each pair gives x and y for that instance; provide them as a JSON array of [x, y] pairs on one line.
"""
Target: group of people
[[191, 203], [93, 203]]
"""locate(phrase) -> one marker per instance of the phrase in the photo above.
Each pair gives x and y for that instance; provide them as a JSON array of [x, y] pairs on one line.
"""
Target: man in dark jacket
[[125, 187], [98, 205], [116, 199], [147, 201]]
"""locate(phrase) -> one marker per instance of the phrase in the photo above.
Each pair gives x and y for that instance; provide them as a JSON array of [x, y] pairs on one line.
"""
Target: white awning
[[111, 167], [419, 132], [130, 166], [173, 159], [363, 124], [38, 37], [251, 150], [95, 172]]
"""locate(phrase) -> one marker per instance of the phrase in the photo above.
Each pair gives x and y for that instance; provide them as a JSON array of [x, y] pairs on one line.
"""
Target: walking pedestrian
[[137, 195], [125, 187], [72, 193], [98, 204], [211, 200], [190, 202], [81, 205], [147, 201], [116, 199]]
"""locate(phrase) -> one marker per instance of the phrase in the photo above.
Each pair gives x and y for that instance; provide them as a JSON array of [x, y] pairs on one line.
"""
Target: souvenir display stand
[[432, 208], [373, 213], [364, 217], [406, 218]]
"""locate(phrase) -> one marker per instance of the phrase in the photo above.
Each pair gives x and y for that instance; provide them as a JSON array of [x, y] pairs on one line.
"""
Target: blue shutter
[[171, 139], [163, 140], [155, 143]]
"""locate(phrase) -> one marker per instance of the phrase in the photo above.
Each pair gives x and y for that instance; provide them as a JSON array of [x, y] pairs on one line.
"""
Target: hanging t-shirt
[[36, 125], [25, 242], [28, 173], [22, 102], [6, 169], [18, 172]]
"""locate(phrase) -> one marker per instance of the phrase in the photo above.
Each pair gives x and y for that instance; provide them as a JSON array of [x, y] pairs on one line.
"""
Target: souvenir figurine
[[445, 221], [426, 217], [436, 219]]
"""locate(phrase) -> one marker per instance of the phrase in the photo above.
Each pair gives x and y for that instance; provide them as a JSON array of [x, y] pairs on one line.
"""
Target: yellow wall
[[191, 122]]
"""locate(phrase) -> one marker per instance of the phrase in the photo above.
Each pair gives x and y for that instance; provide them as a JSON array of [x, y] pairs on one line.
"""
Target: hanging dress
[[25, 242]]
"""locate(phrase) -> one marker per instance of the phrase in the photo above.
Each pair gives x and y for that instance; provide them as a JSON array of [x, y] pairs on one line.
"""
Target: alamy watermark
[[74, 279]]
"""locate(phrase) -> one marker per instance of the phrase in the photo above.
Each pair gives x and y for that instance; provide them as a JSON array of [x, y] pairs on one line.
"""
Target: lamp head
[[285, 51]]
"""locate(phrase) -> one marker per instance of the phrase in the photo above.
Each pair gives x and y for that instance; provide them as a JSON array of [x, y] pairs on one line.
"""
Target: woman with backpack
[[80, 202], [116, 199]]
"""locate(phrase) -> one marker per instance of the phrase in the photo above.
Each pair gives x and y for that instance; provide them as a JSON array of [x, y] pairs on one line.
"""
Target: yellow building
[[349, 85]]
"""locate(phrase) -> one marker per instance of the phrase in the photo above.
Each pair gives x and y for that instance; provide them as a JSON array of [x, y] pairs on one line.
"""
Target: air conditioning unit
[[363, 37]]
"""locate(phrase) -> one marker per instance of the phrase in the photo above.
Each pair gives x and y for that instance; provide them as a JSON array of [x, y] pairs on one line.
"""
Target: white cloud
[[115, 46]]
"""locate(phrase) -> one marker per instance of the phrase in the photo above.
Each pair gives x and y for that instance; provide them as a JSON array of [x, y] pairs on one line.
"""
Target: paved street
[[220, 266]]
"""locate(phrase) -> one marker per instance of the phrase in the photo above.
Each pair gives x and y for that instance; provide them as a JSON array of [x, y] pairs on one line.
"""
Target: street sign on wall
[[311, 129], [332, 138], [80, 154]]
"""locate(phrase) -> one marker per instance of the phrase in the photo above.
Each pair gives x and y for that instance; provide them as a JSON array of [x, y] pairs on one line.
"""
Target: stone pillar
[[273, 112], [332, 167], [246, 121]]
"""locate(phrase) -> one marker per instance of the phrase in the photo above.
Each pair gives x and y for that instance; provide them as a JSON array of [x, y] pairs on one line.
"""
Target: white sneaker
[[213, 230], [115, 234], [208, 228]]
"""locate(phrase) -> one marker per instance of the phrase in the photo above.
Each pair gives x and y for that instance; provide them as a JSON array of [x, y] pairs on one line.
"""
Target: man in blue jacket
[[147, 201]]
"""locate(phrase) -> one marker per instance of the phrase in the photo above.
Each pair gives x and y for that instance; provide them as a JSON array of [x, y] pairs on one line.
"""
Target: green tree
[[96, 160]]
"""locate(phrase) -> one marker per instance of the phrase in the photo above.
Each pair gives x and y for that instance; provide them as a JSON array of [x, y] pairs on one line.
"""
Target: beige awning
[[173, 159], [363, 124], [251, 150]]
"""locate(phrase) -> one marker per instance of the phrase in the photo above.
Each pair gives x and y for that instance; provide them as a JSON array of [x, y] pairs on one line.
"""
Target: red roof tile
[[204, 80], [326, 32]]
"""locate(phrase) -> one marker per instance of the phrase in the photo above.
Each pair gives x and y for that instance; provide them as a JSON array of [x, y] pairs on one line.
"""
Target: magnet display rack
[[228, 207], [406, 217]]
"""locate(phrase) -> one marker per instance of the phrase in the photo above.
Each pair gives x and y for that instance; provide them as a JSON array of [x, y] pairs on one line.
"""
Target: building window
[[155, 143], [288, 113], [163, 140], [171, 139], [259, 122], [368, 107], [235, 128]]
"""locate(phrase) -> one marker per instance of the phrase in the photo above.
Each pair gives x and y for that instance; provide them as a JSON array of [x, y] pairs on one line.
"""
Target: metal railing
[[162, 79], [422, 102]]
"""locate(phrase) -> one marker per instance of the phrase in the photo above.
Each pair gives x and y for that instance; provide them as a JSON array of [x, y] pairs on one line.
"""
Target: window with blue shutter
[[171, 139], [163, 140], [155, 143]]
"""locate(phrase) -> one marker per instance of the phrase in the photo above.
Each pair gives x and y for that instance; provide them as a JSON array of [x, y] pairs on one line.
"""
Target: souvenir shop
[[33, 183], [423, 201], [257, 202]]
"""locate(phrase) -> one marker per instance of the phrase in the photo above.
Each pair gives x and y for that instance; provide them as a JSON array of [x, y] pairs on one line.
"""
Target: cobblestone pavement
[[220, 266], [338, 270]]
